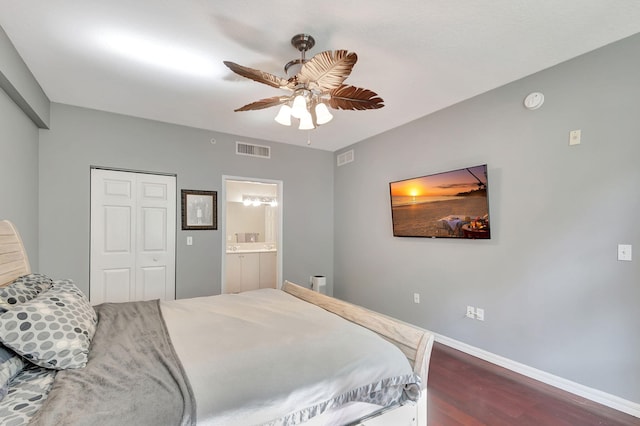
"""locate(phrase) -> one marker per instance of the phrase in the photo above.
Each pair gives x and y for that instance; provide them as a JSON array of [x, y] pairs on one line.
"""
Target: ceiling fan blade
[[351, 97], [264, 103], [327, 70], [257, 75]]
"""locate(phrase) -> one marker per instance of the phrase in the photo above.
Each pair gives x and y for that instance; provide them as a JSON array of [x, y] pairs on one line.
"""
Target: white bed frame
[[414, 342]]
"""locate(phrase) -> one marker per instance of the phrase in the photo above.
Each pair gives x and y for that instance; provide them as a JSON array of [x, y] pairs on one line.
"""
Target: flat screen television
[[453, 204]]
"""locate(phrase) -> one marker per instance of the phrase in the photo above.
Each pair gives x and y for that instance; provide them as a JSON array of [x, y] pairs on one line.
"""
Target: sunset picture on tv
[[452, 204]]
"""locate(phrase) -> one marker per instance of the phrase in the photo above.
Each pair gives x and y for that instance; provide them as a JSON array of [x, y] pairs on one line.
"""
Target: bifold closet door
[[133, 220]]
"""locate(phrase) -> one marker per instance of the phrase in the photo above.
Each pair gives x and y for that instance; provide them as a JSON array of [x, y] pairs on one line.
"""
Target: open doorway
[[251, 222]]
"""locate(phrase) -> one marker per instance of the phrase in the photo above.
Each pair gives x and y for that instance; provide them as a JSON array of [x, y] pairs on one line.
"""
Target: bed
[[263, 357]]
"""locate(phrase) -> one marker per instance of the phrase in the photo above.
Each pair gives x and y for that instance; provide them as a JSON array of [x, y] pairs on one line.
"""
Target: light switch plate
[[624, 252], [574, 137], [189, 241]]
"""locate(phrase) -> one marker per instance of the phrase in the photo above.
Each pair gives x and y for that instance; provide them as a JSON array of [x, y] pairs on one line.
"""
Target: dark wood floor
[[464, 390]]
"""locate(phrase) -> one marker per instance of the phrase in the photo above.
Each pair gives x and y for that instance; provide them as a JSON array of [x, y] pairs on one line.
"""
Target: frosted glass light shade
[[284, 115], [322, 114], [299, 107], [306, 122]]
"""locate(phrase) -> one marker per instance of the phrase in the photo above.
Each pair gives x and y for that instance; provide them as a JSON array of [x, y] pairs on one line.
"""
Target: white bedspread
[[309, 359]]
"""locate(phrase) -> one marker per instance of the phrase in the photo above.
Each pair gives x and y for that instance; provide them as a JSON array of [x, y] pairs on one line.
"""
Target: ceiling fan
[[315, 84]]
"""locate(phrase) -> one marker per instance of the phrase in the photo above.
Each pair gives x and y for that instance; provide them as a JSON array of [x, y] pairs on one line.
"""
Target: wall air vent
[[345, 157], [252, 150]]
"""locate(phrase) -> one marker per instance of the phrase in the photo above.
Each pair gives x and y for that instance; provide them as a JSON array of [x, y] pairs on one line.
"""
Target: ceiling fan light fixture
[[299, 108], [314, 86], [323, 115], [306, 121], [284, 115]]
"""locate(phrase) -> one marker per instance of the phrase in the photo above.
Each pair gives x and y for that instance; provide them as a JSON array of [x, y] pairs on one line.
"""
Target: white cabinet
[[250, 271], [243, 272], [233, 273], [268, 269]]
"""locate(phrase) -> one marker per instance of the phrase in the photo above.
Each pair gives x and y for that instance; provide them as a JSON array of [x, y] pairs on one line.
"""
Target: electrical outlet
[[480, 314], [471, 312], [416, 297], [624, 252]]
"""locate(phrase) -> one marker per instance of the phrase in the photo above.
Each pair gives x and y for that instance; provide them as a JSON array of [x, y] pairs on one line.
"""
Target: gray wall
[[80, 138], [17, 81], [19, 173], [23, 108], [554, 295]]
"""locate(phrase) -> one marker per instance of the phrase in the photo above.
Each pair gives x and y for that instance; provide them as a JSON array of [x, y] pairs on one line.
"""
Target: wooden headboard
[[13, 258]]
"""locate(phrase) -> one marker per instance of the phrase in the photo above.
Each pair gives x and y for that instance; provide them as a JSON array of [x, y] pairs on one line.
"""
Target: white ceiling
[[419, 55]]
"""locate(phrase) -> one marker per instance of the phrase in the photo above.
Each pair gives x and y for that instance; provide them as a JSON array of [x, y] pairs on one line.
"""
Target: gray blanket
[[133, 376]]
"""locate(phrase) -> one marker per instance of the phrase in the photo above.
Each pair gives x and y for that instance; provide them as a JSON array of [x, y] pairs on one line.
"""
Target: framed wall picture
[[452, 204], [199, 209]]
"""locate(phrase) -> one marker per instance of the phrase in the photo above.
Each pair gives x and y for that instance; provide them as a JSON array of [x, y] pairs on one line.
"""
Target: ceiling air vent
[[252, 150], [345, 157]]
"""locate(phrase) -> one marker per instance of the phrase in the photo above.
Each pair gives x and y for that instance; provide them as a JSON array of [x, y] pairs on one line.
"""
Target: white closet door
[[133, 219], [155, 261]]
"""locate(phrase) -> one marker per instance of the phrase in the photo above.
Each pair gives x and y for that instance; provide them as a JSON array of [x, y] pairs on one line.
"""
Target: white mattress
[[266, 357]]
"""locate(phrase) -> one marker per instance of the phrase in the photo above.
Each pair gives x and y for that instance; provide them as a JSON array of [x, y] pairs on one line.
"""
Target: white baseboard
[[591, 394]]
